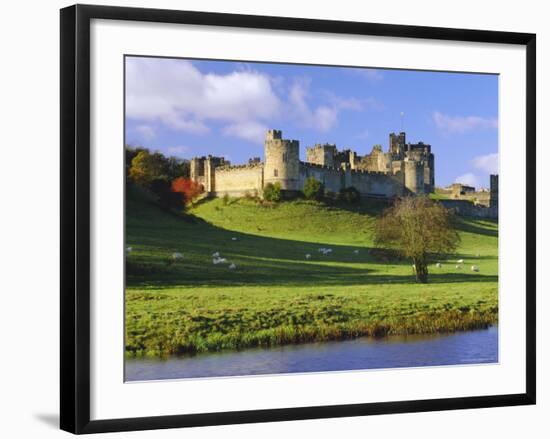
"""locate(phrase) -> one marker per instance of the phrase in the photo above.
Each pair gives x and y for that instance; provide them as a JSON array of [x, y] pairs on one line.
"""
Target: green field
[[277, 296]]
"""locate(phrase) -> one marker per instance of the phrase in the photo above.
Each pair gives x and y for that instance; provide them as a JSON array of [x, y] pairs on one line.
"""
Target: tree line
[[168, 178]]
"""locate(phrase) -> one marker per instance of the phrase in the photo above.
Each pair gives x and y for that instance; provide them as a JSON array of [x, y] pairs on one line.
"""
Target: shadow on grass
[[260, 260], [466, 225]]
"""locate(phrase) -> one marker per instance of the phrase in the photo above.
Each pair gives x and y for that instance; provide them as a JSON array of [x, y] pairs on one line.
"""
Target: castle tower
[[397, 144], [493, 201], [196, 168], [429, 174], [282, 161], [321, 155], [209, 178], [414, 176]]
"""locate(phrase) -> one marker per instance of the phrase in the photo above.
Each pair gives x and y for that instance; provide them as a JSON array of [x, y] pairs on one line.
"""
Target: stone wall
[[467, 208], [376, 184], [369, 184], [332, 178], [237, 180]]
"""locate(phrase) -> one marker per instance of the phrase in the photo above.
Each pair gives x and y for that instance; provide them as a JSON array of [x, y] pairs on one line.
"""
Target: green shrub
[[313, 189], [349, 195], [165, 197], [272, 192]]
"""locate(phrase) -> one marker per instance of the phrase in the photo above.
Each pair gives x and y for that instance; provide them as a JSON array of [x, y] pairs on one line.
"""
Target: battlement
[[249, 165], [274, 135]]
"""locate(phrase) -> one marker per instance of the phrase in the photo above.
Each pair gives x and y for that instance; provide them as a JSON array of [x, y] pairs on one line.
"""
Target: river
[[470, 347]]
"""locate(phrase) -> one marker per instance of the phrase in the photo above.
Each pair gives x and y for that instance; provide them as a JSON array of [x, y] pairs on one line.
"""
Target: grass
[[277, 296]]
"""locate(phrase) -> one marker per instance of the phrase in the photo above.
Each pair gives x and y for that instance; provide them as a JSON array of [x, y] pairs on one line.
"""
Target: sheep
[[458, 267], [217, 261], [177, 255], [234, 238], [475, 268], [216, 255], [460, 261], [308, 256], [356, 252], [232, 267], [438, 265]]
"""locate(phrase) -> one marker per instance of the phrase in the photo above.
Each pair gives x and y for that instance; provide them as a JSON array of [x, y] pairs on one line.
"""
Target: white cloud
[[177, 94], [147, 132], [179, 150], [487, 163], [323, 117], [468, 179], [373, 75], [251, 131], [462, 124]]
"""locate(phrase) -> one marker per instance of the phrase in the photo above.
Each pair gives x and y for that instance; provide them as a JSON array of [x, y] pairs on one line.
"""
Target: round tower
[[282, 161], [414, 176]]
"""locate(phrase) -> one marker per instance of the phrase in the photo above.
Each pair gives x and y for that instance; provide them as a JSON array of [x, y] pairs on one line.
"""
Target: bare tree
[[417, 227]]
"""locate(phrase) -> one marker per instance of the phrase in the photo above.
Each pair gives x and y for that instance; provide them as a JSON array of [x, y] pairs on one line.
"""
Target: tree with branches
[[418, 228]]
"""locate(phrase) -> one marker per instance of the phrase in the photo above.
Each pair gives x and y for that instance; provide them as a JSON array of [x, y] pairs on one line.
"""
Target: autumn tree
[[417, 227], [147, 167], [189, 188]]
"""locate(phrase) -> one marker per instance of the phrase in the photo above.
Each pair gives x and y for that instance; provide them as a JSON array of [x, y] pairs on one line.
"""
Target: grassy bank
[[275, 295]]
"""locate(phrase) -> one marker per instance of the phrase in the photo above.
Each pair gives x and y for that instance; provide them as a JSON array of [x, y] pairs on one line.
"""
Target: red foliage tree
[[189, 188]]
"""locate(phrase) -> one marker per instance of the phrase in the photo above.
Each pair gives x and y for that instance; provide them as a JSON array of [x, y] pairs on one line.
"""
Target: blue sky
[[189, 108]]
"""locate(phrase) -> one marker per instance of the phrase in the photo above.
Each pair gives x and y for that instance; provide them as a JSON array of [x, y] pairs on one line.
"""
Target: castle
[[404, 169]]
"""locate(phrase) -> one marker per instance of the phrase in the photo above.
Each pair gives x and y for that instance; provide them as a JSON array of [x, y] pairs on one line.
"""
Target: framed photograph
[[268, 218]]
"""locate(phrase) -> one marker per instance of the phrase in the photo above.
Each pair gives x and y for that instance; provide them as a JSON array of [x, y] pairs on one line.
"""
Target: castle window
[[284, 157], [275, 173]]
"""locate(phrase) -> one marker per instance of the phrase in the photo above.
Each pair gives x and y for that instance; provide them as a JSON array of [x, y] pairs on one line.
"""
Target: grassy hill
[[276, 295]]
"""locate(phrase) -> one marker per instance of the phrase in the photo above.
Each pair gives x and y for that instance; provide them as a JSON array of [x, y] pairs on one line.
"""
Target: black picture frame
[[75, 217]]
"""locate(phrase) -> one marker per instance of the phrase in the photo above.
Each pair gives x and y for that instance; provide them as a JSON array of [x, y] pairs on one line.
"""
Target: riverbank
[[460, 348]]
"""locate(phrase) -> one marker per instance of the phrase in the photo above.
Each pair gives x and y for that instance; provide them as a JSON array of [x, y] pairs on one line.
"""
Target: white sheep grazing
[[216, 255], [458, 267], [475, 268], [438, 265], [129, 249], [308, 256], [232, 267], [356, 252], [460, 261], [234, 238], [217, 261], [321, 250], [177, 255]]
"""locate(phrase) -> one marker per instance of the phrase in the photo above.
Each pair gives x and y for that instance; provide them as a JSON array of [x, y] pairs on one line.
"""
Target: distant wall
[[237, 180], [376, 184], [467, 208]]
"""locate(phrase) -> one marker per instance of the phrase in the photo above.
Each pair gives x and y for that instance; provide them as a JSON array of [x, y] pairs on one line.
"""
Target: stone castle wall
[[236, 181], [467, 208]]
